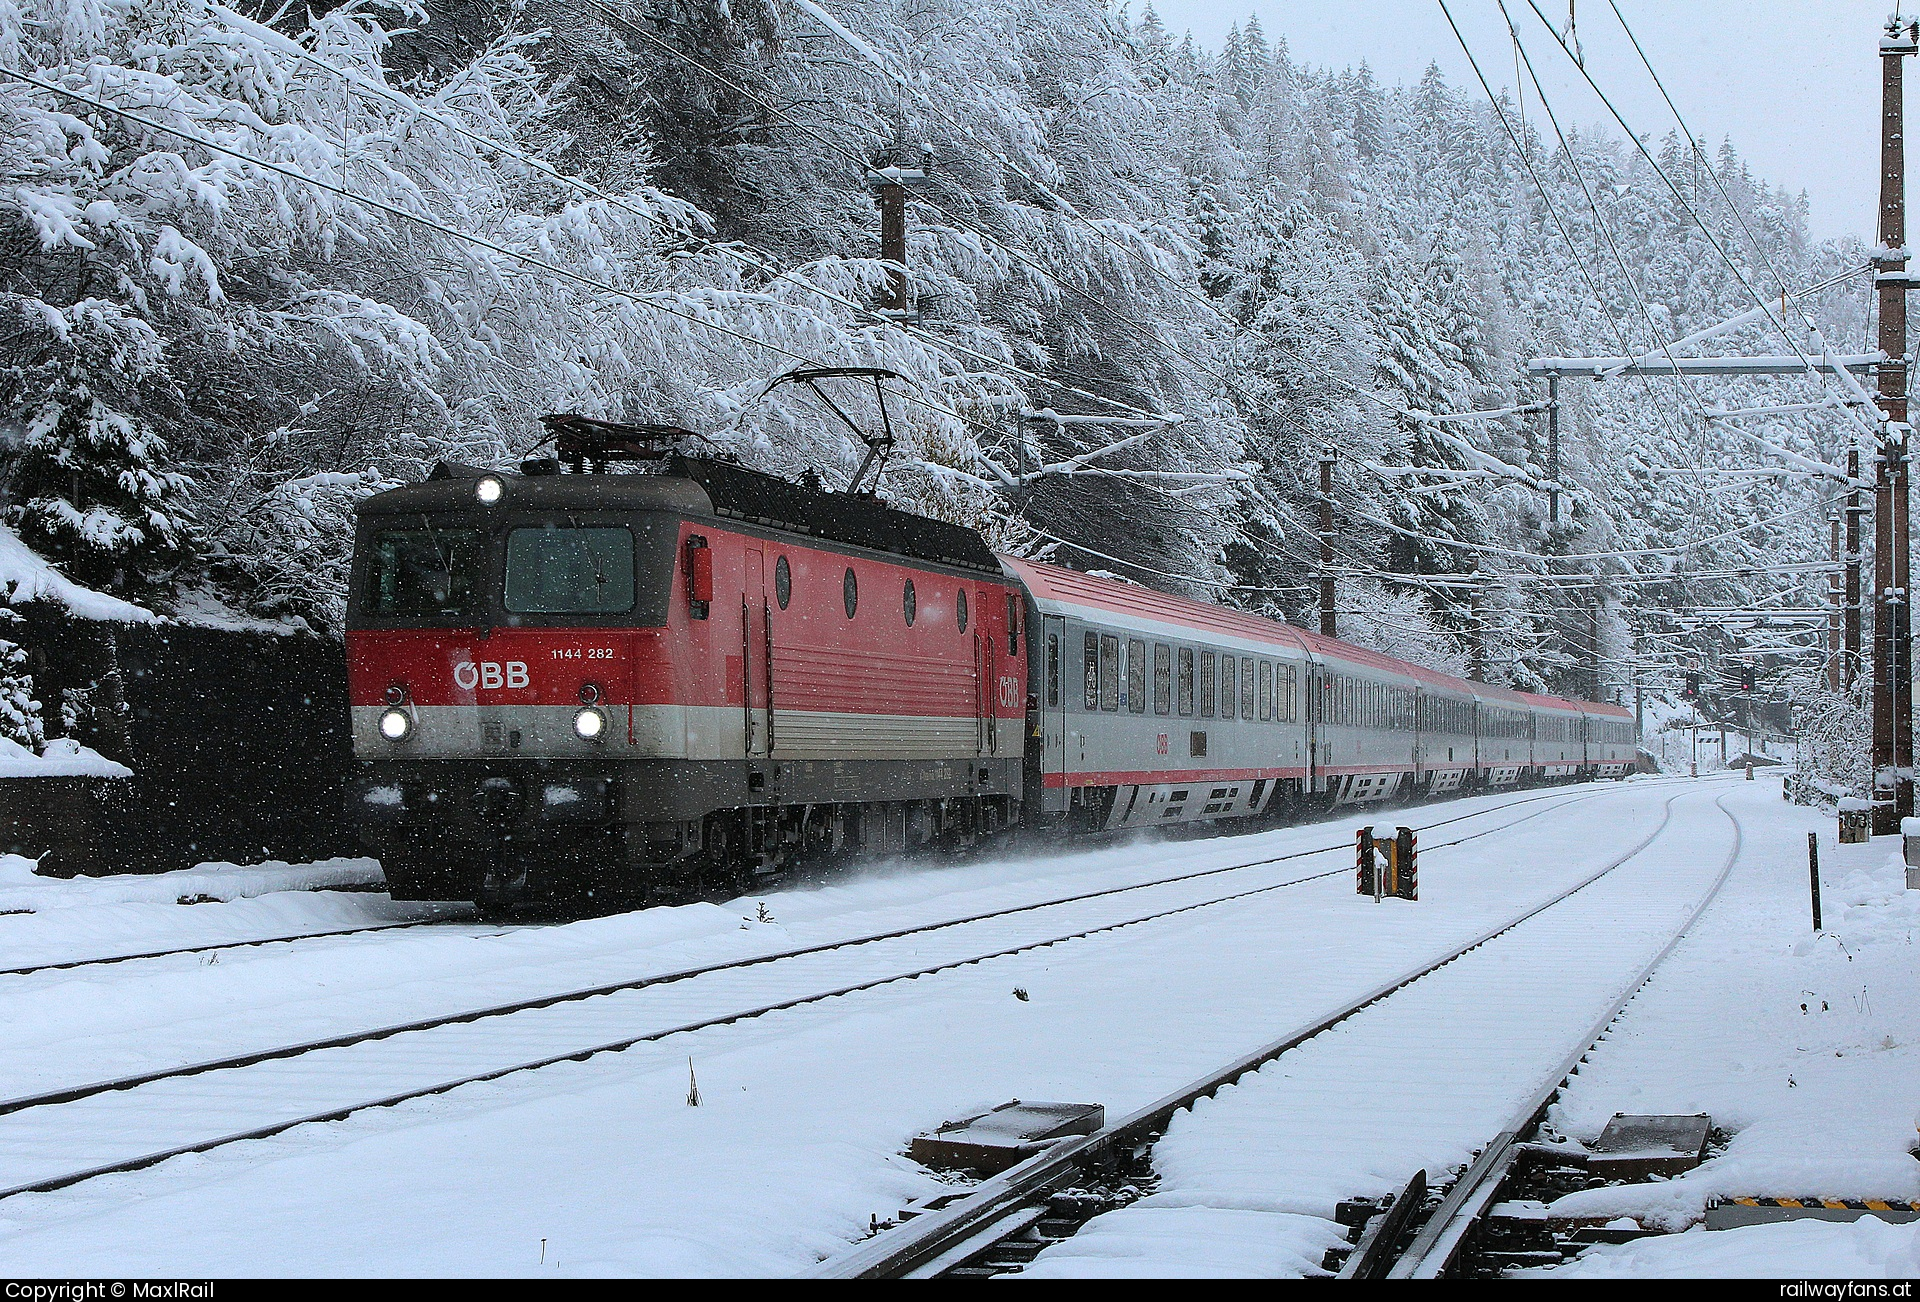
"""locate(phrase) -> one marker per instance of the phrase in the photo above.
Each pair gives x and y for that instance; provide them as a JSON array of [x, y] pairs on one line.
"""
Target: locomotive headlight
[[489, 490], [590, 723], [395, 725]]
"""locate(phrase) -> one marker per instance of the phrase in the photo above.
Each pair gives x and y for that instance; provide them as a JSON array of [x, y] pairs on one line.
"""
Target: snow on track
[[1421, 1080], [1806, 1048], [161, 1116], [182, 1010], [804, 1112]]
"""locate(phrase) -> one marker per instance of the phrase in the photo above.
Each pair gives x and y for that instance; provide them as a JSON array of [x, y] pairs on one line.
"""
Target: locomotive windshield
[[429, 571], [569, 571]]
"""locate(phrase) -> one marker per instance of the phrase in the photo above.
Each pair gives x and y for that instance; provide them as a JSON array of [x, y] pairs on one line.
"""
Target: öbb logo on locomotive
[[766, 719], [489, 674]]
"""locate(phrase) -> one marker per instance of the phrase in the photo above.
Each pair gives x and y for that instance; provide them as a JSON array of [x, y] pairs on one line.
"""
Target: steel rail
[[1437, 1244], [906, 1249], [141, 1161], [70, 964], [70, 1094]]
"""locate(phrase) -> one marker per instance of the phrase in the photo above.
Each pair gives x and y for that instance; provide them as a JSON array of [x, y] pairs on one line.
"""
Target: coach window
[[1246, 687], [960, 616], [1206, 684], [1227, 688], [1162, 678], [1013, 625], [1136, 675], [1183, 685], [909, 604], [1090, 653], [1109, 673], [1266, 689], [850, 591], [1053, 669]]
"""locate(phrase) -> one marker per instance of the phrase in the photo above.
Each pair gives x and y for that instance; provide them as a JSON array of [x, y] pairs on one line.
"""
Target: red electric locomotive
[[642, 684]]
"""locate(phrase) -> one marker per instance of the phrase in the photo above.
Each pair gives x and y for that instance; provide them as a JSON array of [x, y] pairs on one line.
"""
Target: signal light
[[1746, 679], [1692, 689]]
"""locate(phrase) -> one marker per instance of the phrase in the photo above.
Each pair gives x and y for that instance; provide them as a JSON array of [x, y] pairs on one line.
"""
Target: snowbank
[[63, 758], [1865, 1249], [25, 577], [21, 888]]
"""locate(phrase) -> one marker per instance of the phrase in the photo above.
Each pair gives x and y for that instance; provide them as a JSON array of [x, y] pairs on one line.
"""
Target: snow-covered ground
[[56, 920], [1806, 1047], [601, 1167]]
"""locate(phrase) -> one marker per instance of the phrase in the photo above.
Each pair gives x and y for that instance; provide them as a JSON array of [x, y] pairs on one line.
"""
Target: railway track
[[1438, 1247], [215, 947], [109, 960], [60, 1137], [1008, 1220]]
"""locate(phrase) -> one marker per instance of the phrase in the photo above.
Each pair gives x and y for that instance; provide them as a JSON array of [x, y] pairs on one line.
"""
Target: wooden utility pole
[[1476, 624], [1639, 696], [1892, 625], [1852, 617], [1593, 645], [1553, 451], [889, 185], [1328, 624], [1836, 676]]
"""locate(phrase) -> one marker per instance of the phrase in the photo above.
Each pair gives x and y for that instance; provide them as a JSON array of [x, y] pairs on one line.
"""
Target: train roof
[[1060, 588], [700, 486]]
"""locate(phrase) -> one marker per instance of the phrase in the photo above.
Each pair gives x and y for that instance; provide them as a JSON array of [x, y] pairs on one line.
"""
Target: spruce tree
[[19, 712], [89, 484]]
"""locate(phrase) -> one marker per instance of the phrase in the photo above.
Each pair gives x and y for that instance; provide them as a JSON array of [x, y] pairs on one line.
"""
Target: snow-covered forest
[[261, 260]]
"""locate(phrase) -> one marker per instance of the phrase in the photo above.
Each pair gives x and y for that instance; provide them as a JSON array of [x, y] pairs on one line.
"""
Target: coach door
[[756, 655], [1053, 705], [986, 666]]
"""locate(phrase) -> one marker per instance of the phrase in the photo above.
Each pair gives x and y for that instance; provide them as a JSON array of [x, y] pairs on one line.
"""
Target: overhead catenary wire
[[525, 259], [1614, 249], [740, 252], [1067, 207], [1522, 152], [1738, 275], [1098, 304]]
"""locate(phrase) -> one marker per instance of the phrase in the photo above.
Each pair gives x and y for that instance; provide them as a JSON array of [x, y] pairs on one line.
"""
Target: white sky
[[1795, 83]]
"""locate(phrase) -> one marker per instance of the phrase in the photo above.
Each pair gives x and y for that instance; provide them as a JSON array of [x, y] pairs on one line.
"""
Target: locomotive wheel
[[502, 890], [721, 876]]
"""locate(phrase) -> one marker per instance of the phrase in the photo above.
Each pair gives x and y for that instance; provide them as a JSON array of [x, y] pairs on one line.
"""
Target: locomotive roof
[[698, 486]]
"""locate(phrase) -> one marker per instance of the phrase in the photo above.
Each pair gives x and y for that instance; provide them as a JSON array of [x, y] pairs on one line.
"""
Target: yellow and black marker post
[[1387, 865]]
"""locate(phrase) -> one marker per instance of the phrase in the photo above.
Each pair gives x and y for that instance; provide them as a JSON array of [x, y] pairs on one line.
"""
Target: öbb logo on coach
[[489, 674]]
